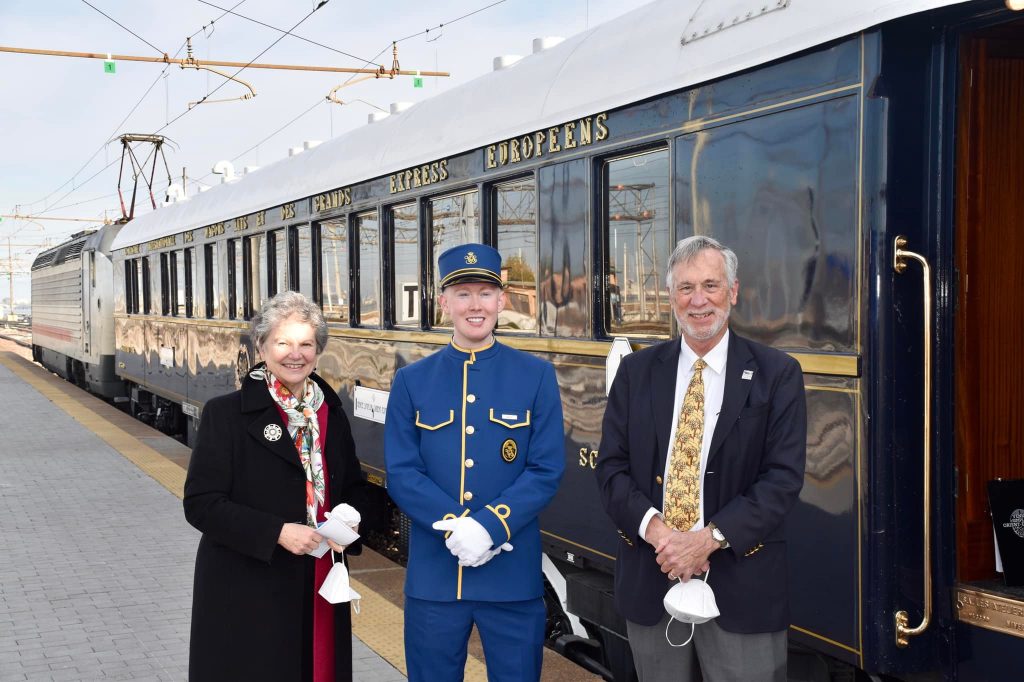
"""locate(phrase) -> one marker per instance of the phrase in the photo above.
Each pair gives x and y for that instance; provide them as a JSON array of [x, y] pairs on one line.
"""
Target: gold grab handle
[[899, 264]]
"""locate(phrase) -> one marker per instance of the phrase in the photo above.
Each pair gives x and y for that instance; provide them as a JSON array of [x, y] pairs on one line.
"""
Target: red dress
[[323, 610]]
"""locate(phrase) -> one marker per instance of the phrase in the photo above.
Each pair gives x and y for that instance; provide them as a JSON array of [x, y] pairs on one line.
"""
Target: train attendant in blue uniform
[[473, 445]]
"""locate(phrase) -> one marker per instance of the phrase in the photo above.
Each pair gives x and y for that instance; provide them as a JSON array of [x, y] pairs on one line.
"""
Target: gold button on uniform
[[657, 479], [470, 398], [470, 429], [469, 464], [468, 496]]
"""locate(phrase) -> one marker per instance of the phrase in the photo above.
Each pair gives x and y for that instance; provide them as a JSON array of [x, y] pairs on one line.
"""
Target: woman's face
[[290, 353]]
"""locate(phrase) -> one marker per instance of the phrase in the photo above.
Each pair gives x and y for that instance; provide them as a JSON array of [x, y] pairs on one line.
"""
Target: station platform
[[96, 558]]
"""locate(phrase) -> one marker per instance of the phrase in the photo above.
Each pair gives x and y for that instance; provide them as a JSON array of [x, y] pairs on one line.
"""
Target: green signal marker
[[417, 82], [109, 67]]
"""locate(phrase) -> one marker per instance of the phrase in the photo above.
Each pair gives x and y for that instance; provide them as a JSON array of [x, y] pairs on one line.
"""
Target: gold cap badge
[[470, 258]]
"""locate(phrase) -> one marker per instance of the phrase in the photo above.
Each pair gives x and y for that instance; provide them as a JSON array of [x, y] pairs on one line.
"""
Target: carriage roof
[[658, 48]]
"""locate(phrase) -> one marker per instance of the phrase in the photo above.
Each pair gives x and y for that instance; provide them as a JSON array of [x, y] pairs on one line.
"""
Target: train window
[[370, 291], [236, 281], [190, 289], [454, 220], [277, 265], [257, 270], [515, 213], [210, 279], [176, 280], [147, 286], [131, 285], [636, 224], [405, 224], [247, 278], [165, 289], [334, 259], [304, 266]]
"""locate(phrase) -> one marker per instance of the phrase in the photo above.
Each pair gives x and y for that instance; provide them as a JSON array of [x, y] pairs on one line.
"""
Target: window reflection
[[454, 220], [407, 265], [279, 266], [258, 259], [179, 282], [305, 250], [637, 234], [516, 216], [368, 229], [334, 268]]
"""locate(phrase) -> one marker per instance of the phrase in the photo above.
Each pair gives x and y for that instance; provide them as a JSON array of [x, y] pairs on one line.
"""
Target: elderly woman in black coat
[[268, 461]]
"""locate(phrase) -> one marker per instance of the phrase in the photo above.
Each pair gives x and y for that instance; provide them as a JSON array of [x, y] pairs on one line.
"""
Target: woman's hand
[[298, 538]]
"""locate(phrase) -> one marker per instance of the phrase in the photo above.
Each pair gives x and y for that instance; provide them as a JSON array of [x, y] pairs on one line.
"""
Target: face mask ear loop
[[354, 602], [693, 629]]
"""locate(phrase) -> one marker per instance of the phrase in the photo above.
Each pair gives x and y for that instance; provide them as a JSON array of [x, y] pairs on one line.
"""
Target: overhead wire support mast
[[138, 169], [209, 62]]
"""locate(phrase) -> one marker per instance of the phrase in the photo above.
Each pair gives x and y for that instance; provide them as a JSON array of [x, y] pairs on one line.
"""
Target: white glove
[[489, 554], [347, 514], [469, 541]]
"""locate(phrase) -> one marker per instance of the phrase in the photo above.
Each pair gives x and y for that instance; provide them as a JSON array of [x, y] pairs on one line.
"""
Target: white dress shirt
[[714, 391]]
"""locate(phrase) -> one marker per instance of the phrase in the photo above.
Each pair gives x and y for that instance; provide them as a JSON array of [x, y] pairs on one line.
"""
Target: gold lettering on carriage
[[133, 250], [242, 223], [420, 176], [579, 133], [329, 200], [990, 611], [214, 230], [162, 242]]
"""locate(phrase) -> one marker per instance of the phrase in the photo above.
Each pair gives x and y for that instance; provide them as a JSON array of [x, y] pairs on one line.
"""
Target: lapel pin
[[747, 374], [272, 432]]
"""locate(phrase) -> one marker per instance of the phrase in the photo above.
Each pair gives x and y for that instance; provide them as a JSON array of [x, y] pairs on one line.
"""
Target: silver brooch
[[272, 432]]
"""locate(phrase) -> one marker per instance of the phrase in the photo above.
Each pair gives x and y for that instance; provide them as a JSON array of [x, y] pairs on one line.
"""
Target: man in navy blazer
[[753, 451]]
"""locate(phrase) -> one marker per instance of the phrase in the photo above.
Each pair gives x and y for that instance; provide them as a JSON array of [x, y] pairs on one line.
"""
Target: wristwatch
[[718, 536]]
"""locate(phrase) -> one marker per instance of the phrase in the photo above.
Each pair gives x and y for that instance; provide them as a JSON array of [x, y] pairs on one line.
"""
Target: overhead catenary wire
[[281, 30], [132, 111], [277, 131], [207, 96], [123, 26]]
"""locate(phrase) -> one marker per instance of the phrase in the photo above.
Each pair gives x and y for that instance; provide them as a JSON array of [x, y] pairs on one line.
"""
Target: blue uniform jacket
[[475, 433]]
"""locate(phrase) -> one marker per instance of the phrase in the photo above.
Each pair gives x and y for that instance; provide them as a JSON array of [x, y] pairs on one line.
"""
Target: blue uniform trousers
[[437, 632]]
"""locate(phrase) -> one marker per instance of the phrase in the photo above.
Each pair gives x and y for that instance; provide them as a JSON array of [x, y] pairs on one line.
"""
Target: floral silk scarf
[[304, 429]]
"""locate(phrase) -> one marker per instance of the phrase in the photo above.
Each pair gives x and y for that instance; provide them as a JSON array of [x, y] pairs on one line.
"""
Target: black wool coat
[[252, 602]]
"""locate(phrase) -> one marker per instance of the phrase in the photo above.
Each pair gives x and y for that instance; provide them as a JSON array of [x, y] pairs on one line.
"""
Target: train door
[[988, 430]]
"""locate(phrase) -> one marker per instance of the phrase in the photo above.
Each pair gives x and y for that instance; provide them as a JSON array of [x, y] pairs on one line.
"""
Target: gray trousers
[[714, 655]]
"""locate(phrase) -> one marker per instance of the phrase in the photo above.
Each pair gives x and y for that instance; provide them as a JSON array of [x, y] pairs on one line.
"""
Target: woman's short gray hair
[[687, 249], [287, 304]]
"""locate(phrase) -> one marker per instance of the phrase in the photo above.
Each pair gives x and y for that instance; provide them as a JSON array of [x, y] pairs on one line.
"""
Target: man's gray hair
[[284, 305], [687, 249]]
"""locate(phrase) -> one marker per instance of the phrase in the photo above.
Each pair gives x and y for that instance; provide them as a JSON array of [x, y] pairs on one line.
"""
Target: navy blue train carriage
[[863, 159]]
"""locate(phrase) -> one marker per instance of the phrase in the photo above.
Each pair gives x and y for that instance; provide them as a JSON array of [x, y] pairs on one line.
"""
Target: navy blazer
[[754, 474]]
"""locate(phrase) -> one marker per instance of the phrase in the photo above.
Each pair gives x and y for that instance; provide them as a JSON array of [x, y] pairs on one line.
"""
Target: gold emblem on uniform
[[470, 258], [509, 450]]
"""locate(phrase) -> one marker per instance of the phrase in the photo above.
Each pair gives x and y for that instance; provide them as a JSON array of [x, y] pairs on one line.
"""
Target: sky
[[61, 117]]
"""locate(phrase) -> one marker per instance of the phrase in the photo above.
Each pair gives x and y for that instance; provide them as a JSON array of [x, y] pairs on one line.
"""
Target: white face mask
[[690, 602], [336, 588]]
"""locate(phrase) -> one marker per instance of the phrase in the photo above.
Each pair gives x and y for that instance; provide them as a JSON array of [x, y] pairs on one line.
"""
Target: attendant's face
[[473, 308], [701, 299], [290, 353]]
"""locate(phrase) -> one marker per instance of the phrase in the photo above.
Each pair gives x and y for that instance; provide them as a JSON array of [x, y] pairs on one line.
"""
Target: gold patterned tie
[[682, 489]]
